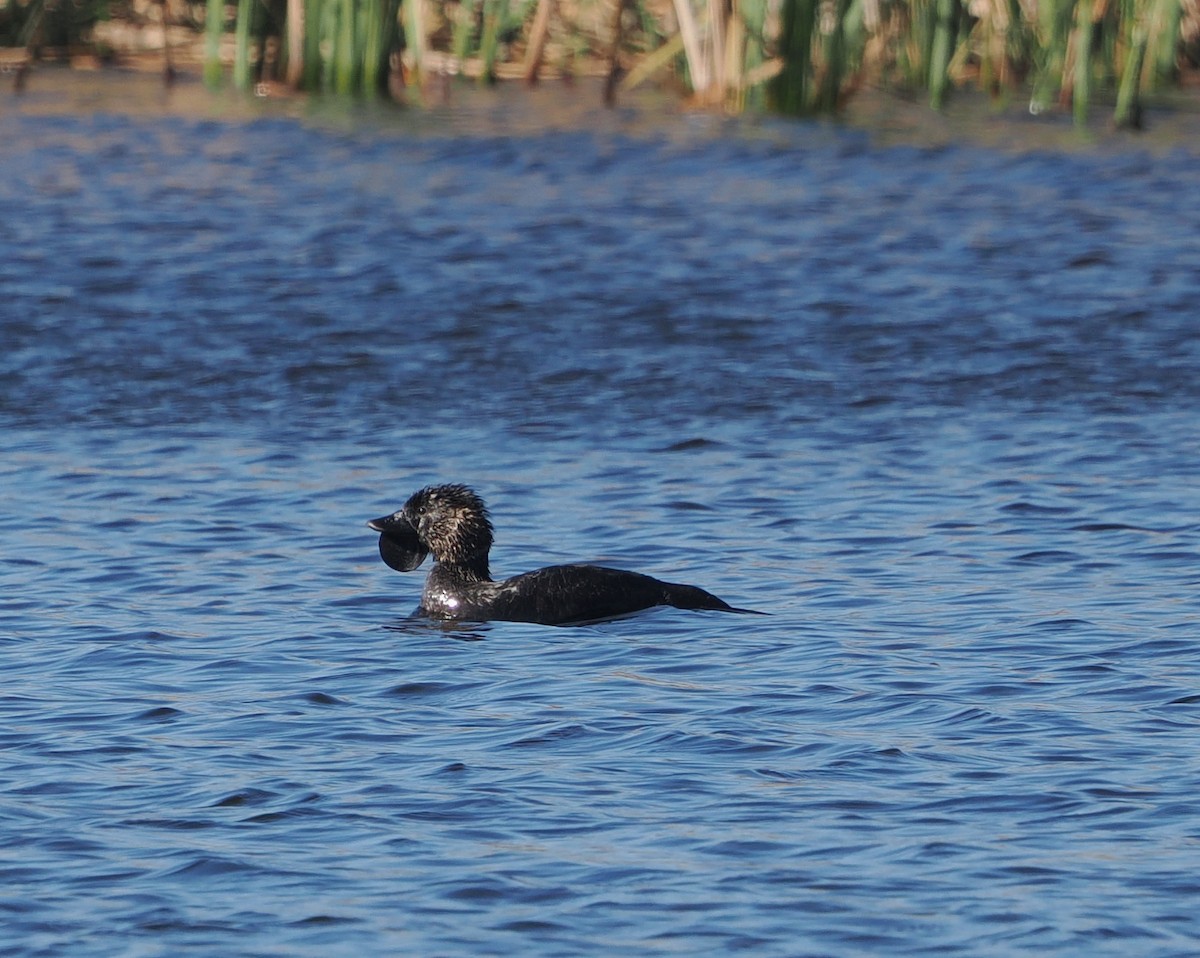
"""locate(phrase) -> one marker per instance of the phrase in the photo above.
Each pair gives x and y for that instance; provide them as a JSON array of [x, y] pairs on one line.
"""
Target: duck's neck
[[470, 571]]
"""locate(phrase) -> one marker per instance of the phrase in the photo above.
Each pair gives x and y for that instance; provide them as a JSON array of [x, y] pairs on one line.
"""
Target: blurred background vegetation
[[794, 56]]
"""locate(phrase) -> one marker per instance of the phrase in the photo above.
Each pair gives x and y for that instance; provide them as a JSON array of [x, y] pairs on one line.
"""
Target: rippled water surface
[[934, 409]]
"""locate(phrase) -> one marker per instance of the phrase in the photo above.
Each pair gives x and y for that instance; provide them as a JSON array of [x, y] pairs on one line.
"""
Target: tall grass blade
[[493, 18], [314, 23], [241, 48], [614, 53], [1054, 26], [1128, 110], [788, 91], [369, 26], [834, 57], [1168, 18], [464, 30], [652, 63], [414, 36], [945, 27], [692, 47], [214, 24], [343, 56], [753, 14], [1081, 91]]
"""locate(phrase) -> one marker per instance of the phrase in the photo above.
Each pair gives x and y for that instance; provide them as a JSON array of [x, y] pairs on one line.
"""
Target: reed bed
[[55, 26], [798, 56], [334, 46], [795, 56]]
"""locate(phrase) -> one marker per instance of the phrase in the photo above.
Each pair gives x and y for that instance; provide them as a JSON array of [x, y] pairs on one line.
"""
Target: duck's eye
[[425, 520]]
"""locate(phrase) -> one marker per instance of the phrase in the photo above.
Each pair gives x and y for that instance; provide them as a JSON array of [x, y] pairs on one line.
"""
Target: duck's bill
[[399, 545]]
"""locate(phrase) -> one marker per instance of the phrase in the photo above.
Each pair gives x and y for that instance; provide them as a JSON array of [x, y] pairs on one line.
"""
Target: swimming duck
[[452, 523]]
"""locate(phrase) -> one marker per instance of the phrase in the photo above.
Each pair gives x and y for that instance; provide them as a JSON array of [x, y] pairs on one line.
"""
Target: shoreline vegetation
[[796, 57]]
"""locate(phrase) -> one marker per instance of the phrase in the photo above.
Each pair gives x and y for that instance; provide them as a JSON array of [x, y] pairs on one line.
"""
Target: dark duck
[[452, 523]]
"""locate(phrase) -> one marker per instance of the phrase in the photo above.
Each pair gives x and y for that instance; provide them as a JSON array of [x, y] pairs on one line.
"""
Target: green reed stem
[[1055, 17], [343, 59], [1128, 106], [414, 38], [835, 65], [464, 30], [754, 15], [371, 45], [789, 91], [314, 14], [945, 27], [241, 54], [1081, 90], [494, 13], [34, 14], [214, 23], [1168, 18]]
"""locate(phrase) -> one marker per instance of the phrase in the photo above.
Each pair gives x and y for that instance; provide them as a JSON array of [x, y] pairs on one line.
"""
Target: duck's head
[[449, 521]]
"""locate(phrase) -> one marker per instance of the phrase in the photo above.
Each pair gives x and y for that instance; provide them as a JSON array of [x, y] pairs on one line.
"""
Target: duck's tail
[[692, 597]]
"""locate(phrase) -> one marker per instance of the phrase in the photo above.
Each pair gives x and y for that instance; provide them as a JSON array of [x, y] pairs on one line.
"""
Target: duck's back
[[571, 594]]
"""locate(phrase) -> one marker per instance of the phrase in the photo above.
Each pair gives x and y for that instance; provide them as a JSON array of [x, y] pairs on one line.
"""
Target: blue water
[[934, 409]]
